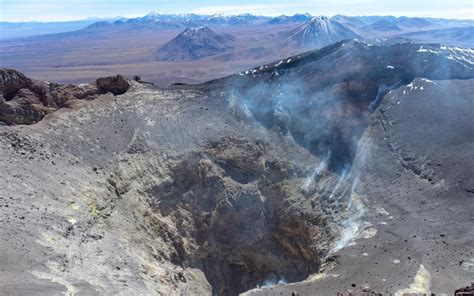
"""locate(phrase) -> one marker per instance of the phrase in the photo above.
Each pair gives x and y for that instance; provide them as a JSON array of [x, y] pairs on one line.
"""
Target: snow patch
[[427, 50], [427, 80]]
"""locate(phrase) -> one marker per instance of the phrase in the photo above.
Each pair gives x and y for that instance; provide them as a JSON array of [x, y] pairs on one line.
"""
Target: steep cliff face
[[237, 211]]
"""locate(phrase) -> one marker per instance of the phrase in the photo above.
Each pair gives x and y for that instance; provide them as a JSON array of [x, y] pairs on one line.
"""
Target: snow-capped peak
[[195, 30], [152, 15], [320, 31]]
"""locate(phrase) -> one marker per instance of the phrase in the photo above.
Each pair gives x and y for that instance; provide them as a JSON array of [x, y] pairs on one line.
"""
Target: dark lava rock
[[117, 85], [469, 186], [139, 80], [466, 291]]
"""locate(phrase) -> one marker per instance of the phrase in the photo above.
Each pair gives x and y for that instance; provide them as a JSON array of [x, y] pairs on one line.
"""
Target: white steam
[[315, 173], [274, 282], [383, 89], [351, 226], [342, 178]]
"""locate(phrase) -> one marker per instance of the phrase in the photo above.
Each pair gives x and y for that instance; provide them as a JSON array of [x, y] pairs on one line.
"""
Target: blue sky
[[56, 10]]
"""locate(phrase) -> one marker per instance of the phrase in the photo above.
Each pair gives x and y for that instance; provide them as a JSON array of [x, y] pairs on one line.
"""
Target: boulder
[[117, 85], [11, 81]]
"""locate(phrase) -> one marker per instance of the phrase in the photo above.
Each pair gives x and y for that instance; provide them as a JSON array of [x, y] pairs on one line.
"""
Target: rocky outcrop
[[117, 85], [20, 98], [11, 81], [26, 101]]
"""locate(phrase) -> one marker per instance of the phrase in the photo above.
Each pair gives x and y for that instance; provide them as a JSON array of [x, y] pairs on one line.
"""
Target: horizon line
[[106, 18]]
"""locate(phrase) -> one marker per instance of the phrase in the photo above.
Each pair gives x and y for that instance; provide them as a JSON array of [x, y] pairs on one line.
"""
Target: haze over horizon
[[55, 10]]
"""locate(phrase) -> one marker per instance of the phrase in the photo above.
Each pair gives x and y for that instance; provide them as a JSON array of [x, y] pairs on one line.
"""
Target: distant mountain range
[[358, 24], [9, 30], [309, 33], [383, 26], [355, 23], [210, 45], [463, 36], [188, 20], [284, 19]]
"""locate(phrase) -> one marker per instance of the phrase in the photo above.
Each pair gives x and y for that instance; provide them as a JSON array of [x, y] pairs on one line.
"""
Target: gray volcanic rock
[[195, 43], [319, 32]]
